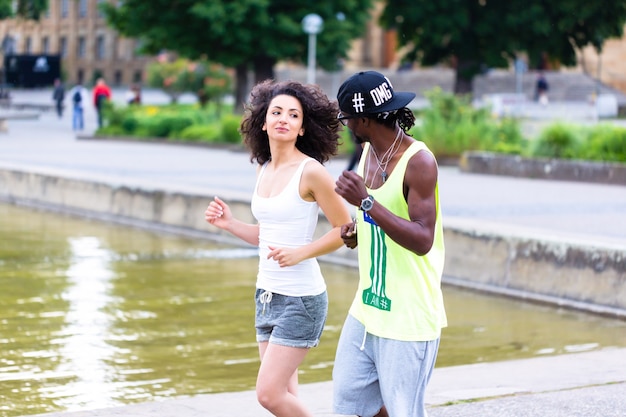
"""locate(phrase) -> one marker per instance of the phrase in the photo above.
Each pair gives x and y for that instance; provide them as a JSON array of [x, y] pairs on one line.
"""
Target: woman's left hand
[[284, 256]]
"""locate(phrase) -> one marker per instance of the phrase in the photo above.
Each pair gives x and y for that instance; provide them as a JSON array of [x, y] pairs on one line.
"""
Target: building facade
[[77, 31]]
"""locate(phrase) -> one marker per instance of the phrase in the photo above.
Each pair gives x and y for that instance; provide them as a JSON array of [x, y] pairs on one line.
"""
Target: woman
[[291, 130]]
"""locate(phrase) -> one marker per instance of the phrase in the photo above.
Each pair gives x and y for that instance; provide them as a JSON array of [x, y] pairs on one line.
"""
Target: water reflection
[[95, 315], [84, 350]]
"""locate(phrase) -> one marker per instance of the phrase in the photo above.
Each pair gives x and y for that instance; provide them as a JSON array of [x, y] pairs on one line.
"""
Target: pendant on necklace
[[384, 175]]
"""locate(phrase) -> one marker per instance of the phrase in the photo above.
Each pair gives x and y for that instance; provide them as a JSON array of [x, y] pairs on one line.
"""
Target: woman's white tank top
[[286, 220]]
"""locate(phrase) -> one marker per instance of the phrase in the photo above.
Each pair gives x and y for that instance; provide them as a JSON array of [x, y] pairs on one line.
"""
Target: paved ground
[[585, 384]]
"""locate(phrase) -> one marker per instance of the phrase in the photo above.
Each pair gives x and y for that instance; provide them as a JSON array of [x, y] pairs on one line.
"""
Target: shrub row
[[449, 126]]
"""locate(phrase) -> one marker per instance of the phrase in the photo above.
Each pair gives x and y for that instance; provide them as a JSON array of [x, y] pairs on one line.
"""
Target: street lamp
[[312, 25]]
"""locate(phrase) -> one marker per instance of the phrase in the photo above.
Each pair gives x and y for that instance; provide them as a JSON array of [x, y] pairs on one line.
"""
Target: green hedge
[[450, 126]]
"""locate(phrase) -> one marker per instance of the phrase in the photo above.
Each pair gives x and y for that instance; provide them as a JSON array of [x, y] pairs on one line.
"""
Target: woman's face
[[284, 118]]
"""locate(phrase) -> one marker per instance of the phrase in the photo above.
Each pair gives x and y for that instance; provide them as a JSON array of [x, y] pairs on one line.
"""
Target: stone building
[[77, 30], [609, 66]]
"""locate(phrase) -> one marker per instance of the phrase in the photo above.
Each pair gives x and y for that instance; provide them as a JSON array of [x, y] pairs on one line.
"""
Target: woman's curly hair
[[321, 127]]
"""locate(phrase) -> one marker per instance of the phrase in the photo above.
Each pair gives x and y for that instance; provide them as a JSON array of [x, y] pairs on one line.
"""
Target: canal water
[[95, 315]]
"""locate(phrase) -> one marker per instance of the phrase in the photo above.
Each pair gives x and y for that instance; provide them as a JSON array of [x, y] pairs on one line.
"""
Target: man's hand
[[351, 187], [348, 234]]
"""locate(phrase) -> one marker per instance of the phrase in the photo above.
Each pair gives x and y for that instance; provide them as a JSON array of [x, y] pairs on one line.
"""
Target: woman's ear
[[301, 132]]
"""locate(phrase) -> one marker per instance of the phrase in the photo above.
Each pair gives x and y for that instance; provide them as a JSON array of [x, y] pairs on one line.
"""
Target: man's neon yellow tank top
[[399, 294]]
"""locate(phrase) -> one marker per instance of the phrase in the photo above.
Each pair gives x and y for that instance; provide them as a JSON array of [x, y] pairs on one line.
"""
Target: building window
[[65, 8], [63, 46], [28, 45], [117, 77], [45, 45], [100, 48], [81, 47], [80, 76], [137, 77], [82, 8]]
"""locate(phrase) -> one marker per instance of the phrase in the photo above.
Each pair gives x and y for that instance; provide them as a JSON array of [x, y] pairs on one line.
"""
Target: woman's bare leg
[[277, 382]]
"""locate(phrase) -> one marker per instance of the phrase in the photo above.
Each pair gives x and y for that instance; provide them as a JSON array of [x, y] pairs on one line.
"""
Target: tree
[[473, 35], [209, 82], [27, 9], [244, 34]]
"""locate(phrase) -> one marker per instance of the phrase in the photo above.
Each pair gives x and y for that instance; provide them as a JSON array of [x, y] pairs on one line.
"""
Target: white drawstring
[[265, 299], [364, 337]]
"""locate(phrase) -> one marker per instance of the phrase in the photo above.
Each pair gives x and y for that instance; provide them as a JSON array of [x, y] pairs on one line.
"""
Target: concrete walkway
[[573, 385], [580, 384]]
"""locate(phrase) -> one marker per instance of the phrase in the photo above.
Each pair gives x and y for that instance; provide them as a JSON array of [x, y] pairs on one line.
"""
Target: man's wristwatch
[[367, 203]]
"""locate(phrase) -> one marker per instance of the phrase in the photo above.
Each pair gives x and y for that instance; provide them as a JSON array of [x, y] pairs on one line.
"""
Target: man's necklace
[[387, 157]]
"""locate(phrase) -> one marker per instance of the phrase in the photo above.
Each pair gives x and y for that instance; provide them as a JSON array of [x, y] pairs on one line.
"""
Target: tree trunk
[[241, 87], [263, 68], [466, 70]]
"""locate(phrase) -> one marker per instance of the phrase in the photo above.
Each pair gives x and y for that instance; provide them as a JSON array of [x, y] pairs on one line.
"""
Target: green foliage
[[5, 9], [230, 129], [346, 144], [209, 82], [166, 76], [451, 125], [175, 122], [473, 35], [557, 141], [26, 9], [201, 133], [241, 32], [605, 143]]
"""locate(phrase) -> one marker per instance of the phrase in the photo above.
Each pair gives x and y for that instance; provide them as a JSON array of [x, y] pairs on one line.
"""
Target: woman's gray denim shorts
[[290, 321]]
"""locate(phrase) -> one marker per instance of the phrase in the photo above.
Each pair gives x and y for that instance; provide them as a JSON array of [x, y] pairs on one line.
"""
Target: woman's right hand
[[218, 213]]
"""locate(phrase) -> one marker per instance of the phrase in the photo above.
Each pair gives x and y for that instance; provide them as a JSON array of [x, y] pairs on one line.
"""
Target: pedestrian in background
[[78, 95], [389, 342], [133, 95], [291, 130], [101, 95], [541, 89], [58, 95]]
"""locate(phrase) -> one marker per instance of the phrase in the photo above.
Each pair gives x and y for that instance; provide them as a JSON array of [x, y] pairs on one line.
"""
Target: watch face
[[367, 203]]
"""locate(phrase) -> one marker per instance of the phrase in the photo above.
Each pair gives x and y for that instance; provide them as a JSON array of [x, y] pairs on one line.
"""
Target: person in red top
[[101, 93]]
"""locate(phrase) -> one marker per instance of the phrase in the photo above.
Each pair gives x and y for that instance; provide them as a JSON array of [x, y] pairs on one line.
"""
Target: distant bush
[[605, 143], [230, 128], [451, 125], [556, 141], [201, 133]]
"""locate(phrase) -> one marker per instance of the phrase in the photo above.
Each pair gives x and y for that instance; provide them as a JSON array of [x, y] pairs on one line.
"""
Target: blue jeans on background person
[[77, 118]]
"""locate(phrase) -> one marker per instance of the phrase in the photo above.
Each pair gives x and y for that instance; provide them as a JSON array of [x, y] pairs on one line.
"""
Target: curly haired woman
[[291, 129]]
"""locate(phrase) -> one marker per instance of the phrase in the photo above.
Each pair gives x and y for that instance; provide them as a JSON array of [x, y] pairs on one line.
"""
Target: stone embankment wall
[[508, 262], [543, 168]]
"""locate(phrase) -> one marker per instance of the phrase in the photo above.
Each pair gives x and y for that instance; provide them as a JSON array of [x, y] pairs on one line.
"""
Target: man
[[541, 90], [78, 95], [390, 339], [58, 95], [101, 94]]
